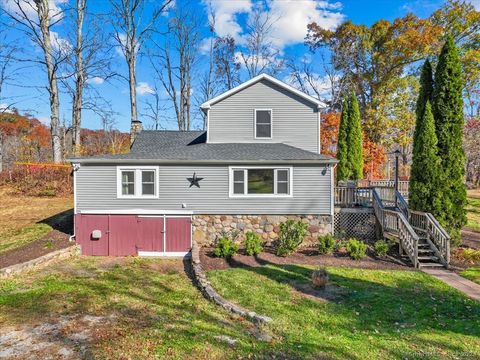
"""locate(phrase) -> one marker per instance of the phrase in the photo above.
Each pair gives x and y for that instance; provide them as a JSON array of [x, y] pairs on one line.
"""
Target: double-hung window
[[260, 181], [263, 123], [137, 182]]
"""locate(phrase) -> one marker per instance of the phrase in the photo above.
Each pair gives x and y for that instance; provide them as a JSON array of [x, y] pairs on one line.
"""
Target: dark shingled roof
[[192, 146]]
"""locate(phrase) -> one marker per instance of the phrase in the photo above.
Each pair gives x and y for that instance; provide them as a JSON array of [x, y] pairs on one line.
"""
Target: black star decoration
[[194, 180]]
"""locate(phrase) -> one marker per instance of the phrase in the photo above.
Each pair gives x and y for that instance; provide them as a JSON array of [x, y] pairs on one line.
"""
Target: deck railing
[[394, 222], [435, 234], [403, 186], [353, 196]]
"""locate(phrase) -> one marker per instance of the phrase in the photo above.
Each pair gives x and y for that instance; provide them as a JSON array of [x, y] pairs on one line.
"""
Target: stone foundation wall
[[208, 228]]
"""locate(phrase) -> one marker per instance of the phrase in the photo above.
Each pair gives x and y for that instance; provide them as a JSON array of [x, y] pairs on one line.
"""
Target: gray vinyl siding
[[295, 120], [96, 189]]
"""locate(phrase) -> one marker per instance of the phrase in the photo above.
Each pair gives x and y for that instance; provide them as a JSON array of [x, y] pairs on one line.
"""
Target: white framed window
[[263, 123], [137, 182], [261, 181]]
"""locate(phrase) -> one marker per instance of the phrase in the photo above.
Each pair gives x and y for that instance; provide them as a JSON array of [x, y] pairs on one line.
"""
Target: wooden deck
[[419, 234]]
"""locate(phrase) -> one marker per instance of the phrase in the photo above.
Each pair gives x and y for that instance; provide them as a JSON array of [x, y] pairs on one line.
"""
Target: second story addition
[[266, 110]]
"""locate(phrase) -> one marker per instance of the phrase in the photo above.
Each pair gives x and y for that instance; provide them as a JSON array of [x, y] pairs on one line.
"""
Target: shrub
[[381, 248], [226, 248], [253, 243], [471, 255], [356, 249], [290, 237], [326, 244]]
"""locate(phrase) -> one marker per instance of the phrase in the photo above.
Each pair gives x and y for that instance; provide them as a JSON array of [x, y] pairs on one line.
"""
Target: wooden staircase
[[419, 235]]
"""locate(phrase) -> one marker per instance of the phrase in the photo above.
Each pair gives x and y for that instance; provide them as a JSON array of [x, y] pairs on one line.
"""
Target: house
[[257, 164]]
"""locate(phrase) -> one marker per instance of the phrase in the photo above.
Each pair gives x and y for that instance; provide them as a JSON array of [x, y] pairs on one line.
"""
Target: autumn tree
[[425, 191], [449, 122], [343, 168], [330, 123]]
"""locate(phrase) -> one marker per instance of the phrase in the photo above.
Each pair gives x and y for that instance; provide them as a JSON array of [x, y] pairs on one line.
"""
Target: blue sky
[[289, 30]]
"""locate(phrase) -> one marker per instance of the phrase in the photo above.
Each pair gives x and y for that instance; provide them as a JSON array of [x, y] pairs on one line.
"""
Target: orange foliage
[[329, 133], [374, 158]]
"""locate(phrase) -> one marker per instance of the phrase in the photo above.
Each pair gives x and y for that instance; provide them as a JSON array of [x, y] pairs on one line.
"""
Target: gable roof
[[190, 146], [209, 103]]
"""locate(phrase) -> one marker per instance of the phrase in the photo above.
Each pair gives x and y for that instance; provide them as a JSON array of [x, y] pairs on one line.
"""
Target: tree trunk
[[133, 91], [43, 15], [80, 81]]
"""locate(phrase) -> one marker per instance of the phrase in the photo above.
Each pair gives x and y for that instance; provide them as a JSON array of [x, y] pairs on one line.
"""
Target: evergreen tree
[[425, 177], [343, 168], [449, 120], [354, 140], [425, 94]]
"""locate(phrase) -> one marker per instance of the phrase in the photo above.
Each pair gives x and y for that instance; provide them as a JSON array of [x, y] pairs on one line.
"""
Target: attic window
[[263, 123]]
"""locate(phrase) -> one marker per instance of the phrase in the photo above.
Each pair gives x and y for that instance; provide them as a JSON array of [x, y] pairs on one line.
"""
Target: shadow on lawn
[[406, 305], [62, 221]]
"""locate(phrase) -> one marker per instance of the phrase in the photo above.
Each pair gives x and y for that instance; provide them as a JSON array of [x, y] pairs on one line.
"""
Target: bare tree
[[155, 108], [90, 60], [227, 65], [260, 54], [328, 88], [38, 28], [177, 59], [133, 27], [8, 49]]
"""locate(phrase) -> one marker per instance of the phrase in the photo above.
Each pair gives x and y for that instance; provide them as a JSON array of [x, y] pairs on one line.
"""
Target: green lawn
[[472, 273], [378, 314], [473, 211], [160, 314]]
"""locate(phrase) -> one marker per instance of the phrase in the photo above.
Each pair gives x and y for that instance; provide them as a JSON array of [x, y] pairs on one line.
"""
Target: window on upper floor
[[137, 182], [260, 181], [263, 123]]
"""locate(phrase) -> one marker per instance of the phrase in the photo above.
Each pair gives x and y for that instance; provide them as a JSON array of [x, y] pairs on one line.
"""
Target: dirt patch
[[54, 240], [471, 238], [67, 338], [303, 257]]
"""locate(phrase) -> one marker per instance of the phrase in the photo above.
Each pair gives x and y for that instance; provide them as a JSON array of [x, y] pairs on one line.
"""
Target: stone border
[[40, 261], [211, 294]]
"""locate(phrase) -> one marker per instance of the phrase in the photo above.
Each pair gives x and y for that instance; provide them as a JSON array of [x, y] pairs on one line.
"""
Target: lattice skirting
[[358, 223]]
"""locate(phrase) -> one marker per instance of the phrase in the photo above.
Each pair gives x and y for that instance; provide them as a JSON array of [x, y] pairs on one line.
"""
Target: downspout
[[75, 168]]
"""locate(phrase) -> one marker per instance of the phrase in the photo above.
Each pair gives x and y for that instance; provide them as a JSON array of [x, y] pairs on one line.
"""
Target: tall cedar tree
[[343, 169], [425, 94], [354, 140], [425, 178], [449, 120]]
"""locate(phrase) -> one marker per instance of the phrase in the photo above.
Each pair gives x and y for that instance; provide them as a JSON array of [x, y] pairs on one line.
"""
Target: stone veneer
[[208, 228]]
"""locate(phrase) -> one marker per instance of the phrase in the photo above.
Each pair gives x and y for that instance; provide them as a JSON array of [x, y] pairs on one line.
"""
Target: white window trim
[[138, 182], [255, 123], [245, 195]]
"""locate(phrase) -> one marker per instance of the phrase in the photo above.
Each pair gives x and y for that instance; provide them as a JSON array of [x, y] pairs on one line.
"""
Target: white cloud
[[4, 108], [322, 84], [226, 12], [204, 46], [144, 88], [476, 4], [44, 120], [60, 44], [292, 17], [96, 80], [30, 9]]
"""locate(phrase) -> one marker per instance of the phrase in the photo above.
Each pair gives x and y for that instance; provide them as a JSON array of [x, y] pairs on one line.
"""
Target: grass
[[160, 314], [380, 315], [473, 210], [21, 216], [472, 273]]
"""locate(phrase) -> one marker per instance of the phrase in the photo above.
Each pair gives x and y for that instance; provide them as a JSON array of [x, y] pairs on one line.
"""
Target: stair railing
[[402, 205], [396, 223], [436, 235]]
